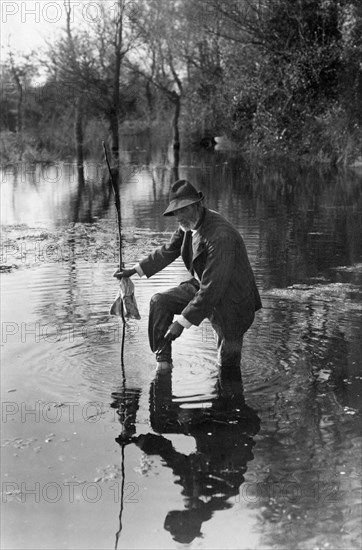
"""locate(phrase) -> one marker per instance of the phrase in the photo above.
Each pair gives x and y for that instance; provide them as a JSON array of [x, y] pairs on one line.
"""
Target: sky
[[26, 24]]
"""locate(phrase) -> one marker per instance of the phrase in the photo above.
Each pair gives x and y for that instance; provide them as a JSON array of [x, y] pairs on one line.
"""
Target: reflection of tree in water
[[223, 434], [313, 425], [92, 200], [309, 334], [304, 220]]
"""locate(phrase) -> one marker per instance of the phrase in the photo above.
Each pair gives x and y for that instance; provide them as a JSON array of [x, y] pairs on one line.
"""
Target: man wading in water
[[222, 288]]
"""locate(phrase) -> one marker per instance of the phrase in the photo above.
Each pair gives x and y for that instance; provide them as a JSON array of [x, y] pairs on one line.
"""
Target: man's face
[[188, 216]]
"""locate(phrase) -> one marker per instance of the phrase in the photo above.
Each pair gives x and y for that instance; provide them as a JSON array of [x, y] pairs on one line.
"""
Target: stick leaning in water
[[125, 304], [117, 203], [118, 208], [116, 309]]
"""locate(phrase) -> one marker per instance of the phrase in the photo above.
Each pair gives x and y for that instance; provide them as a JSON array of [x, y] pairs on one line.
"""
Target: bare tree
[[90, 60], [113, 40], [160, 60], [20, 70]]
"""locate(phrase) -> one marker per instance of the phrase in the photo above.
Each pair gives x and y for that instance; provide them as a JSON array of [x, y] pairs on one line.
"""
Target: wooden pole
[[117, 203], [118, 208]]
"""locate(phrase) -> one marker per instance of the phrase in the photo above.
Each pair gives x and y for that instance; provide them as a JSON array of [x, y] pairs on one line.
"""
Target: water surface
[[94, 455]]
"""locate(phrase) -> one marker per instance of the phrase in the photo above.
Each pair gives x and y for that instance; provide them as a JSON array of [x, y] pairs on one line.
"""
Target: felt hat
[[182, 193]]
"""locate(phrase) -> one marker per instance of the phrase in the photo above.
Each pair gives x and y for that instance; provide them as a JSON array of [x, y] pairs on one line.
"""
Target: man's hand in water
[[174, 331], [124, 273]]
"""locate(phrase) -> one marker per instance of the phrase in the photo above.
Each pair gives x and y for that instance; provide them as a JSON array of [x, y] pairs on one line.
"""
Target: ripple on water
[[194, 386]]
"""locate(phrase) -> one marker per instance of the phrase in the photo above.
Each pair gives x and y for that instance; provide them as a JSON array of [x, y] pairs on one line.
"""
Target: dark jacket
[[217, 254]]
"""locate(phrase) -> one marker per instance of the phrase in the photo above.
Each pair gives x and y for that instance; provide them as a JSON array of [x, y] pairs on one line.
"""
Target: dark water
[[93, 457]]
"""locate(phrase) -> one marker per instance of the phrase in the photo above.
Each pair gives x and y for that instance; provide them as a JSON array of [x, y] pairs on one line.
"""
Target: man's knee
[[158, 301]]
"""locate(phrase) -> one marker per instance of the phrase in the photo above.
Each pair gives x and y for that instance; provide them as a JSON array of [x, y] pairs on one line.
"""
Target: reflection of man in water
[[223, 435], [222, 287]]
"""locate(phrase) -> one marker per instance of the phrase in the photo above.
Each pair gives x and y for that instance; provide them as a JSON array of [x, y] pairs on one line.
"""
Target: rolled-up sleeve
[[182, 321], [139, 270]]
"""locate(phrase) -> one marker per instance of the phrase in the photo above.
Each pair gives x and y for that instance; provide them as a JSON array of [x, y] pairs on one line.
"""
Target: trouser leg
[[230, 326], [228, 350], [229, 340], [230, 387], [163, 307]]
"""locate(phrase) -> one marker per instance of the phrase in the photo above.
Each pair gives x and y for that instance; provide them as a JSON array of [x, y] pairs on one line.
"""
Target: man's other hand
[[174, 331], [124, 273]]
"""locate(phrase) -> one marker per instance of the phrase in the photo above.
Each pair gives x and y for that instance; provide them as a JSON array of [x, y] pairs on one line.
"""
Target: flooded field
[[99, 456]]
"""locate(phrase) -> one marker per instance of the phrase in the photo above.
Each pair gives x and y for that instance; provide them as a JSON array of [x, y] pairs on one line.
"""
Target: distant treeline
[[276, 76]]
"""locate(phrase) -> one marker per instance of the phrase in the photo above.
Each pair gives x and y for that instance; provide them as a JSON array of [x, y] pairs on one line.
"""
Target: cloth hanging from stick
[[125, 304], [126, 296]]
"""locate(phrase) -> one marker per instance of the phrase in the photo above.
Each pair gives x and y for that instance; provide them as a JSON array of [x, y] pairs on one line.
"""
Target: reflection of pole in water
[[213, 474], [126, 402], [122, 496]]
